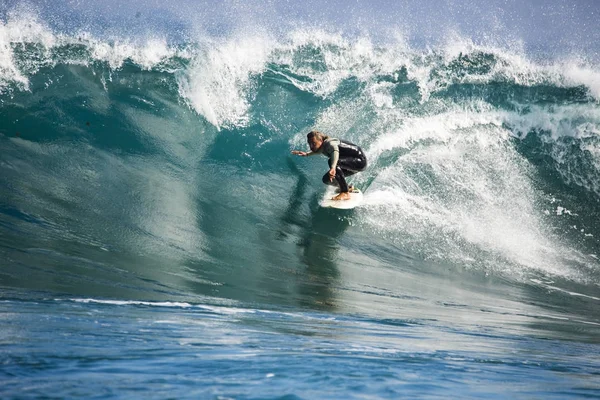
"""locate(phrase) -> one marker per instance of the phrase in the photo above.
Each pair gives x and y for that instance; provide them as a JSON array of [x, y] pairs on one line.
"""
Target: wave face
[[118, 154]]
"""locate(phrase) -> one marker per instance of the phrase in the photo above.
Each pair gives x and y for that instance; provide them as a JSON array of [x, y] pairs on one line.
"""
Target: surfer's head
[[315, 139]]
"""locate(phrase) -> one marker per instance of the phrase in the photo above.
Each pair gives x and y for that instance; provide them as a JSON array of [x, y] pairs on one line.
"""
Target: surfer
[[345, 159]]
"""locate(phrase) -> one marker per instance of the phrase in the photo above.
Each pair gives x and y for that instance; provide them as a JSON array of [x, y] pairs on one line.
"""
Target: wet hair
[[317, 134]]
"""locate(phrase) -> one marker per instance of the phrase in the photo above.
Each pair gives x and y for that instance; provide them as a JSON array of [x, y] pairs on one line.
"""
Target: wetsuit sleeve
[[334, 154]]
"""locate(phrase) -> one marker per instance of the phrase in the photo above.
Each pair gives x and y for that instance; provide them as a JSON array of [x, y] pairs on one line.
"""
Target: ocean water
[[158, 239]]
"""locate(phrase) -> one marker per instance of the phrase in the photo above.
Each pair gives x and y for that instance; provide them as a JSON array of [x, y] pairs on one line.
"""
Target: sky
[[568, 25]]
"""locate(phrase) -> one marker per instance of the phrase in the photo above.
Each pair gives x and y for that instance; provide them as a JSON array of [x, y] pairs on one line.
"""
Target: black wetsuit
[[349, 160]]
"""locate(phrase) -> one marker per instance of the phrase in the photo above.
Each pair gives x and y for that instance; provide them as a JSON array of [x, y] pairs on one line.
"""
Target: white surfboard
[[356, 198]]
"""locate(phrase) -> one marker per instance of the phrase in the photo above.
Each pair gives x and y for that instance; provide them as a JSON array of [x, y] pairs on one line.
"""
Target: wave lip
[[218, 80], [20, 30]]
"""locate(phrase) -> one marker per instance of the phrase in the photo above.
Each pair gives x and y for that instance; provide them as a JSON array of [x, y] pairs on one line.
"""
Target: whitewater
[[158, 239]]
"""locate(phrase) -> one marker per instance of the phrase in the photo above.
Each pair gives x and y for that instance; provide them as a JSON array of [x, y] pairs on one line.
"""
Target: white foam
[[578, 73], [22, 27], [326, 59], [336, 59], [222, 310], [218, 81], [441, 127], [556, 123], [578, 121], [134, 302], [8, 71], [510, 64], [462, 193], [569, 292], [217, 309], [146, 55]]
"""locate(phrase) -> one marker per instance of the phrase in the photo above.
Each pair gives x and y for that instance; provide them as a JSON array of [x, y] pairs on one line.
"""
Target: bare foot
[[342, 196]]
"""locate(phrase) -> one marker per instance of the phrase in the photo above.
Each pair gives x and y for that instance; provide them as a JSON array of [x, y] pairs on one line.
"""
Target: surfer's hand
[[331, 174], [299, 153]]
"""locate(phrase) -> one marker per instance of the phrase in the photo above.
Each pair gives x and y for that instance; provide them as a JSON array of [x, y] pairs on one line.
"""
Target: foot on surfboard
[[355, 198]]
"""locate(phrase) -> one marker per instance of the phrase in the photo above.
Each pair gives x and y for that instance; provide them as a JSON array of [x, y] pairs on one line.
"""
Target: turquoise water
[[158, 240]]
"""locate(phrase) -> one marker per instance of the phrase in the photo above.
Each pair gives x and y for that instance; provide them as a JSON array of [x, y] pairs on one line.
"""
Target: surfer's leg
[[352, 165], [339, 181], [348, 173], [347, 167]]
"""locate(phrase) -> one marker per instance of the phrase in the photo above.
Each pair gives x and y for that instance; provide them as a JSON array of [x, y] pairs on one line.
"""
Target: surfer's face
[[314, 143]]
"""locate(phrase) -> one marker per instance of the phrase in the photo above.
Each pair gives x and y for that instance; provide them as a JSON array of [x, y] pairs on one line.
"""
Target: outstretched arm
[[303, 153]]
